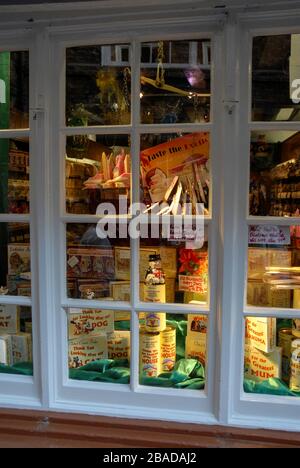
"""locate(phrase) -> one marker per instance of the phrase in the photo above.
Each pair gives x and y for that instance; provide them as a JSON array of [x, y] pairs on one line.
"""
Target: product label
[[196, 284], [118, 345], [155, 321], [83, 351], [9, 319], [90, 322], [262, 366], [155, 293], [260, 234]]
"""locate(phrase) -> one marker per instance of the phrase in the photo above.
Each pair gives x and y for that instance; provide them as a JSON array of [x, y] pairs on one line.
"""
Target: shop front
[[150, 211]]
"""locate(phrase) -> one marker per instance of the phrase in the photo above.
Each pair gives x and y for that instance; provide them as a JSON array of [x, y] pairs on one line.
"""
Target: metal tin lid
[[296, 343]]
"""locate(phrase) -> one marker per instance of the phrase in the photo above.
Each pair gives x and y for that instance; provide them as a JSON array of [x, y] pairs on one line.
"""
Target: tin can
[[168, 349], [296, 328], [285, 338], [155, 322], [150, 354], [295, 367]]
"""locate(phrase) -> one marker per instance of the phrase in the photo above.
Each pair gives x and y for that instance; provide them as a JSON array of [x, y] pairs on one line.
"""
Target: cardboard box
[[118, 345], [122, 261], [18, 258], [195, 347], [90, 262], [120, 290], [17, 286], [261, 366], [21, 347], [261, 333], [6, 350], [261, 295], [99, 288], [196, 324], [89, 322], [9, 319], [260, 258], [84, 350]]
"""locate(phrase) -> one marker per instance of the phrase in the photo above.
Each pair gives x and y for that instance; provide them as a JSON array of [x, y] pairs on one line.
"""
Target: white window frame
[[223, 401], [18, 390], [254, 410], [197, 406]]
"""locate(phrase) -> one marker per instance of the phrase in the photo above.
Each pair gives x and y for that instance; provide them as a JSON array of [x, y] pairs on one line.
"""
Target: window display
[[98, 346], [274, 266], [15, 340], [173, 355], [14, 178], [98, 170], [272, 356], [274, 173]]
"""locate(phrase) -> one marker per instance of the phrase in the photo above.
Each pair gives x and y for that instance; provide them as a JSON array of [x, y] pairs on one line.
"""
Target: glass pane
[[97, 268], [272, 356], [276, 78], [15, 273], [179, 273], [274, 266], [15, 340], [175, 81], [14, 90], [98, 170], [98, 85], [173, 350], [274, 173], [14, 176], [99, 346], [175, 168]]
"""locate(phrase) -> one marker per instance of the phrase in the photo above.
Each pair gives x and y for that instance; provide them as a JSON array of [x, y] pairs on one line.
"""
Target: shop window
[[272, 356]]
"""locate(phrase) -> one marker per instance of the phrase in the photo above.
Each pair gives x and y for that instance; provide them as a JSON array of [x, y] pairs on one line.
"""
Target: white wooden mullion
[[16, 300], [11, 133], [135, 198], [252, 311], [271, 220]]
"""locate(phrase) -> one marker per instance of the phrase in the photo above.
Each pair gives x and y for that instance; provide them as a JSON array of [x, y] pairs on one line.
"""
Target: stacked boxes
[[92, 337], [263, 359], [195, 342], [18, 277], [15, 346]]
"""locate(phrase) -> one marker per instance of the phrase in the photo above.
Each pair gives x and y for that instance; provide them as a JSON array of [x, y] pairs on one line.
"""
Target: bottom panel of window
[[15, 340], [99, 345], [172, 350], [272, 356]]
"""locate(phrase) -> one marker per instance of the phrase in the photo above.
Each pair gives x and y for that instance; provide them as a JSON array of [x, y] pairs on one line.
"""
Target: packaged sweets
[[21, 347], [195, 347], [261, 366], [90, 262], [260, 258], [295, 366], [150, 354], [285, 338], [89, 322], [84, 350], [6, 356], [168, 349], [18, 258], [261, 294], [118, 345], [261, 333], [9, 319]]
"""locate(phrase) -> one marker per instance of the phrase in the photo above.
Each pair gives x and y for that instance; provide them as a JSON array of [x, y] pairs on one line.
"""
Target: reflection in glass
[[14, 176], [14, 90], [15, 339], [97, 268], [15, 276], [98, 85], [275, 78], [272, 356], [274, 173], [274, 266], [175, 81], [99, 345], [173, 355], [98, 170]]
